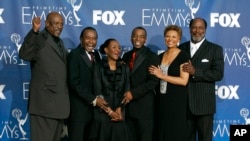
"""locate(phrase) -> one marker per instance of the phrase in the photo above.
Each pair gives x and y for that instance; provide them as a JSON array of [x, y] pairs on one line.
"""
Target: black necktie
[[59, 46]]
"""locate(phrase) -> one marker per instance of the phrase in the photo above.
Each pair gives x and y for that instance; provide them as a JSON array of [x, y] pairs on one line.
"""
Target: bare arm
[[177, 80]]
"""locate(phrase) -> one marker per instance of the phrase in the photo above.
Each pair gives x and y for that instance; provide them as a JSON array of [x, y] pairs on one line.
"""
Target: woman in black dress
[[171, 108], [111, 81]]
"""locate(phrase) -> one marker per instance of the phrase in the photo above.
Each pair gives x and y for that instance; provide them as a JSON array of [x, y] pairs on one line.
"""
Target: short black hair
[[191, 22], [88, 28], [139, 27]]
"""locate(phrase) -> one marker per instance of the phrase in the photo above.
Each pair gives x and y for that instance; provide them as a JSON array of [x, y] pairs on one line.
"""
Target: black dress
[[171, 107], [111, 85]]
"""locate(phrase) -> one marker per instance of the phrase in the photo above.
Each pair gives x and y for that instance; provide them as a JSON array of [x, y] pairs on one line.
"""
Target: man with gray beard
[[206, 66]]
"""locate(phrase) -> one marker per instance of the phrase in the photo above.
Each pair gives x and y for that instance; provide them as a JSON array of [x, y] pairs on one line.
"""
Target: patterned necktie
[[92, 57], [132, 60]]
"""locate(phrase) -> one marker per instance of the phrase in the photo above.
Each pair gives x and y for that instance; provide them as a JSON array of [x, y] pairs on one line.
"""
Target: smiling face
[[197, 30], [113, 50], [89, 39], [172, 35], [172, 38], [138, 38], [54, 24]]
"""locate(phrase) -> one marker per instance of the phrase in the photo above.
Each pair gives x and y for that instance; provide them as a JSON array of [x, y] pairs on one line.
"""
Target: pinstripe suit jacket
[[209, 68]]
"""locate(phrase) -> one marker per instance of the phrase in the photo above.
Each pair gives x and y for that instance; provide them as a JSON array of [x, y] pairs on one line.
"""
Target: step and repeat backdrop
[[228, 26]]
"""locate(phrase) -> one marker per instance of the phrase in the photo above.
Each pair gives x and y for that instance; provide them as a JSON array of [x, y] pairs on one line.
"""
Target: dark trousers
[[79, 130], [200, 126], [45, 129], [142, 130]]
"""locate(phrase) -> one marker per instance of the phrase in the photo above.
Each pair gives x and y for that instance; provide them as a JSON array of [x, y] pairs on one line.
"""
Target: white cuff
[[94, 102]]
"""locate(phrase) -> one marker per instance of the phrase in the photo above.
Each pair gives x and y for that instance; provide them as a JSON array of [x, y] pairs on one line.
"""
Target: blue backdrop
[[228, 25]]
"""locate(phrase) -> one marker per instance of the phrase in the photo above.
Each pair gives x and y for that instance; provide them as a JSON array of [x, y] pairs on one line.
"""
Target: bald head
[[54, 23]]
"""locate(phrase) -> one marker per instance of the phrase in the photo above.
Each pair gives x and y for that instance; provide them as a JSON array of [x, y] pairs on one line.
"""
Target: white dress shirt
[[195, 46]]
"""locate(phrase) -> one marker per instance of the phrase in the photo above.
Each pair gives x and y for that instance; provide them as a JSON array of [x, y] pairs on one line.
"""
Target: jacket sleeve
[[126, 86], [148, 86], [30, 46], [83, 91]]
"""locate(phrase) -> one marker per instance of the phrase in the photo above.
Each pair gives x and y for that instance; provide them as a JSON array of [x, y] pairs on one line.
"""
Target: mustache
[[197, 39]]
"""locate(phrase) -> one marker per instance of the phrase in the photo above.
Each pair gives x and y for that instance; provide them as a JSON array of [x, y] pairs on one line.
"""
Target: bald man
[[48, 103]]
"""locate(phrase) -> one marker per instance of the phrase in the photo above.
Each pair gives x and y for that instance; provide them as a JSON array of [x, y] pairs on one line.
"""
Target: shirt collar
[[197, 45]]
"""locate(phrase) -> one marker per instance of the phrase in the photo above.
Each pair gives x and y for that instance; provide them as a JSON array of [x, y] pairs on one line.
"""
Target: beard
[[197, 39]]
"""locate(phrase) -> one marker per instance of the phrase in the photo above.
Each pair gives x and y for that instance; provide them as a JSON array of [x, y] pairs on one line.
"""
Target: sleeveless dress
[[171, 106]]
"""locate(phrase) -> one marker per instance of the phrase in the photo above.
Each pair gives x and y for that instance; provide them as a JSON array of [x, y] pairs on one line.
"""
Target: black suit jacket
[[142, 84], [80, 77], [48, 93], [209, 68]]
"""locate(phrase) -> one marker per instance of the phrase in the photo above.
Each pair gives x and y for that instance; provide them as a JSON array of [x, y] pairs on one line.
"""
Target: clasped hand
[[115, 115]]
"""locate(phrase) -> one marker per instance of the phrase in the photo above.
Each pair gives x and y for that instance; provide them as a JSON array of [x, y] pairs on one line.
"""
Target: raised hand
[[36, 23]]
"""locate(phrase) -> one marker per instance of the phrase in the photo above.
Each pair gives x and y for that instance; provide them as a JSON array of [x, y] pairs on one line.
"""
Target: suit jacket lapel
[[85, 57], [97, 56], [140, 58], [199, 49], [57, 50], [54, 45], [188, 50], [65, 52]]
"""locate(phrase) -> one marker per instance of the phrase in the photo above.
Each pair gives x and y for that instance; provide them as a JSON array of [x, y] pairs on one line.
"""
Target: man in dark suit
[[205, 68], [140, 98], [48, 103], [81, 61]]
